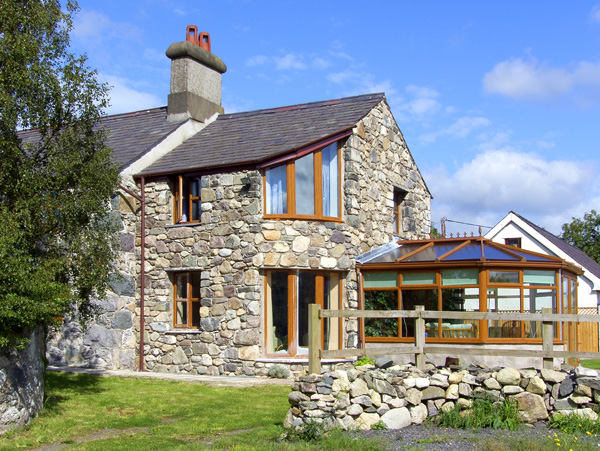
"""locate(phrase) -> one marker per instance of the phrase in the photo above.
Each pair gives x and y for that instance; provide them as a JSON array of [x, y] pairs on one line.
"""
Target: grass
[[110, 413], [591, 363]]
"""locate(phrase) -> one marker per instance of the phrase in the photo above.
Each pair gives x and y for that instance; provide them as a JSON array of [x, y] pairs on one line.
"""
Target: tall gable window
[[399, 196], [187, 200], [308, 186]]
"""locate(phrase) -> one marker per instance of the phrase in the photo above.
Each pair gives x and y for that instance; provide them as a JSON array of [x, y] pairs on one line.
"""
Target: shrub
[[279, 372], [364, 360], [379, 426]]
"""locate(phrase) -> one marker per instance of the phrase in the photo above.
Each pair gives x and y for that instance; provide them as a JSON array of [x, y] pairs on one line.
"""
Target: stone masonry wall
[[21, 383], [403, 395], [110, 341], [233, 245]]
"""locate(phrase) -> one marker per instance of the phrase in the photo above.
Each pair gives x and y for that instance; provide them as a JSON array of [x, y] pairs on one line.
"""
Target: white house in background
[[515, 230]]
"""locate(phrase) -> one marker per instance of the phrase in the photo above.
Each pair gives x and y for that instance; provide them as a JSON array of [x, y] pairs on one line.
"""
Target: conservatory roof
[[473, 251]]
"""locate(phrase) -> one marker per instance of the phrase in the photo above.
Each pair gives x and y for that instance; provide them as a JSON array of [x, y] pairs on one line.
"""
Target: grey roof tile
[[251, 137]]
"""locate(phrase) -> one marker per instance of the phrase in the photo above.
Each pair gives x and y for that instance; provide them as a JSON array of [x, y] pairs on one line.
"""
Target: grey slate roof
[[578, 256], [251, 137], [130, 135]]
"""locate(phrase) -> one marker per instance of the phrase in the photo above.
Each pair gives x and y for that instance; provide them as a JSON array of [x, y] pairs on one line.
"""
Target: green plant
[[364, 360], [379, 426], [311, 431], [279, 372], [499, 415]]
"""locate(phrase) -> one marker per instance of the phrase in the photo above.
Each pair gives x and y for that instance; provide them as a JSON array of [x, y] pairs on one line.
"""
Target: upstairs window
[[187, 200], [308, 186], [516, 242], [399, 196]]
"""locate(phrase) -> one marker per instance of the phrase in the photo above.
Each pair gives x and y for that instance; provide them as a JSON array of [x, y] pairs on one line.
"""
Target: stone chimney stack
[[195, 78]]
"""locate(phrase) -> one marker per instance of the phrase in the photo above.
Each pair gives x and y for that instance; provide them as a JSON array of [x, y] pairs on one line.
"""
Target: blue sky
[[499, 102]]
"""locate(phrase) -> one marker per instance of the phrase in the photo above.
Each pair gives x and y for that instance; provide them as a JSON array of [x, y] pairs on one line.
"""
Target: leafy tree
[[584, 234], [56, 174]]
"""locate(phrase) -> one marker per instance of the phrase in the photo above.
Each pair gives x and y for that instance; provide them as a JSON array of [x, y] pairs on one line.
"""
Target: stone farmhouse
[[231, 224]]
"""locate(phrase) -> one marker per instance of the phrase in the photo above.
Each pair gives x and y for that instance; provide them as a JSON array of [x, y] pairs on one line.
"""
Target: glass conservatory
[[465, 275]]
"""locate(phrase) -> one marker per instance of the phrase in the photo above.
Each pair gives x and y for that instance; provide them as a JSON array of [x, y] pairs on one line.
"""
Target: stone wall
[[21, 383], [110, 340], [403, 395]]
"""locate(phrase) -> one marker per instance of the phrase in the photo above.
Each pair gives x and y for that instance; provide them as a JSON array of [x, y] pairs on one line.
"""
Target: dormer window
[[187, 200], [307, 187]]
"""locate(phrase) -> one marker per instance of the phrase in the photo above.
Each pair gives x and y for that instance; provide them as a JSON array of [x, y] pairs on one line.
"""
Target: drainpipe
[[142, 200]]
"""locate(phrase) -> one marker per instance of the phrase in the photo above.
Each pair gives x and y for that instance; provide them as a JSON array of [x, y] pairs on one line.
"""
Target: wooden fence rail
[[547, 353]]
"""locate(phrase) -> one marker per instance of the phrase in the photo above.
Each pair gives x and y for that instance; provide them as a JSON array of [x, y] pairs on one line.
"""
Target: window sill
[[184, 332], [185, 224]]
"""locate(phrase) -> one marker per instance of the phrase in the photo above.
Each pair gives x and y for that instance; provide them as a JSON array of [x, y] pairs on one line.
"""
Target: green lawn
[[592, 363], [111, 413]]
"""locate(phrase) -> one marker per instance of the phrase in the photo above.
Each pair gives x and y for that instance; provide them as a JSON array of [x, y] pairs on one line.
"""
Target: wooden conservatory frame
[[465, 274]]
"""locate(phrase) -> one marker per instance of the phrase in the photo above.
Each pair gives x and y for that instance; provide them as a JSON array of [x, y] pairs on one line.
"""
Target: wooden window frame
[[192, 302], [178, 200], [292, 309], [318, 188]]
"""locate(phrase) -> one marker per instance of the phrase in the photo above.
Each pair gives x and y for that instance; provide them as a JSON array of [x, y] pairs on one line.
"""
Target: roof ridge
[[299, 106], [133, 113]]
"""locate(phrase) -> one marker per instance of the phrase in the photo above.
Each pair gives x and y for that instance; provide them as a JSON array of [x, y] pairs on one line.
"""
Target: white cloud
[[124, 97], [595, 14], [94, 27], [258, 60], [538, 82], [289, 61], [463, 127], [484, 189]]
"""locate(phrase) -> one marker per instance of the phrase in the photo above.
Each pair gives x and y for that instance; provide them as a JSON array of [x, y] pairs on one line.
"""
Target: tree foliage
[[584, 234], [56, 173]]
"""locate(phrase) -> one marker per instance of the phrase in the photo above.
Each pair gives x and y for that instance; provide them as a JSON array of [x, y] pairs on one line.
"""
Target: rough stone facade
[[21, 383], [402, 395], [232, 247]]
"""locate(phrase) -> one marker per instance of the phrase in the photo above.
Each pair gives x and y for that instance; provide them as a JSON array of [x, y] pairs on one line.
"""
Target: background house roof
[[254, 136], [576, 254]]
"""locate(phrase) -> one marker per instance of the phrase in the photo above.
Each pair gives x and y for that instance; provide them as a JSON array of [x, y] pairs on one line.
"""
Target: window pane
[[196, 314], [306, 295], [381, 300], [276, 190], [504, 277], [380, 279], [534, 301], [195, 211], [418, 278], [460, 277], [504, 300], [305, 185], [196, 285], [182, 286], [181, 312], [330, 175], [277, 312], [458, 300], [533, 277], [410, 298]]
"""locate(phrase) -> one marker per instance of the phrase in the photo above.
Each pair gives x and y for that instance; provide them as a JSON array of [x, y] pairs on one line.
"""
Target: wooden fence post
[[420, 338], [548, 339], [314, 339]]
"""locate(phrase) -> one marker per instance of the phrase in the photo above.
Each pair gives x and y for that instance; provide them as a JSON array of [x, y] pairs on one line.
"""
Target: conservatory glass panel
[[381, 300], [504, 300], [380, 279]]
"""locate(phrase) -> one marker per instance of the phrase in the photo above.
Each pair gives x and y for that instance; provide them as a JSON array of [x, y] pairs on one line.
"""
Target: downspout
[[142, 200]]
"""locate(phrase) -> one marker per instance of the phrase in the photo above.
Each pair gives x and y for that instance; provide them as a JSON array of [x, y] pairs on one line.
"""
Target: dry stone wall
[[21, 383], [403, 395]]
